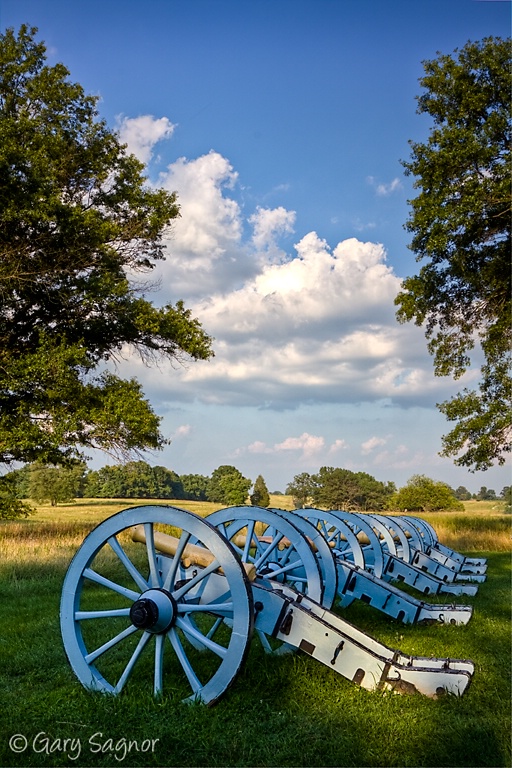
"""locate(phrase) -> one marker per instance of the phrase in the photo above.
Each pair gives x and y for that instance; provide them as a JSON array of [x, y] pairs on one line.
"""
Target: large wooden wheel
[[276, 549], [165, 621]]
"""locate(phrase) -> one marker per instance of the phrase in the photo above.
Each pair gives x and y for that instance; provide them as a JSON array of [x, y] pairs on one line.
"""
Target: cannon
[[159, 596], [371, 563]]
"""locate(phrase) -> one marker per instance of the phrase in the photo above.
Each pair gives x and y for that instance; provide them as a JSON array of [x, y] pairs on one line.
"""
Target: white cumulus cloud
[[312, 324], [371, 444], [307, 444], [268, 223], [142, 133]]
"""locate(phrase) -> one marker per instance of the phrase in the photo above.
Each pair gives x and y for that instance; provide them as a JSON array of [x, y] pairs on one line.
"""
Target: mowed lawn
[[281, 711]]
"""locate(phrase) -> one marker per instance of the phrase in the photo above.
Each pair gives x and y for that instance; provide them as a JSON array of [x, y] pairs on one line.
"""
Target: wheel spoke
[[264, 641], [129, 667], [99, 579], [196, 579], [286, 568], [171, 574], [216, 608], [268, 551], [192, 678], [285, 556], [248, 540], [108, 614], [159, 663], [150, 547], [215, 627], [132, 570], [110, 644], [189, 629]]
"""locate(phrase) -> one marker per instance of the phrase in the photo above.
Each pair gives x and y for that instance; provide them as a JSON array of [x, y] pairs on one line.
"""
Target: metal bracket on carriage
[[420, 579], [451, 559], [350, 652], [191, 555], [355, 582], [444, 571]]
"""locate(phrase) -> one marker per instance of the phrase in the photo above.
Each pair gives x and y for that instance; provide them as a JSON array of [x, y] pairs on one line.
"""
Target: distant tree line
[[335, 488], [329, 488], [134, 480]]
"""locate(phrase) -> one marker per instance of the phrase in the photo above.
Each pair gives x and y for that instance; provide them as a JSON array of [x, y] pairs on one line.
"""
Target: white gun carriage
[[159, 592]]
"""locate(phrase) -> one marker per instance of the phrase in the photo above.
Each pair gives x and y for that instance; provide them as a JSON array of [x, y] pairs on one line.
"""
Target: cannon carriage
[[163, 597]]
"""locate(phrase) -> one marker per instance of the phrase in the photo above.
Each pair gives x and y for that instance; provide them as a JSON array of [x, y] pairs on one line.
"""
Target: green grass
[[280, 711]]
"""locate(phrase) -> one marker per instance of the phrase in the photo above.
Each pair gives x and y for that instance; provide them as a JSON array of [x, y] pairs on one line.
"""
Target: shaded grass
[[288, 711]]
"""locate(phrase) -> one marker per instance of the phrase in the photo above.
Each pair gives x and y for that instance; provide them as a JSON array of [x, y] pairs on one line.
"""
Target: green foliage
[[11, 506], [260, 496], [301, 489], [506, 495], [461, 228], [77, 218], [228, 486], [335, 488], [486, 494], [422, 494], [195, 487], [133, 480], [462, 493], [55, 484]]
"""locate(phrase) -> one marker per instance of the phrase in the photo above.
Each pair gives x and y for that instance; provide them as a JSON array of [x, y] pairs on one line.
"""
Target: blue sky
[[281, 124]]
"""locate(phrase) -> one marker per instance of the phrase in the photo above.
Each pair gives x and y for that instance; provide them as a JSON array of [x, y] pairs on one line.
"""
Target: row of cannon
[[159, 593]]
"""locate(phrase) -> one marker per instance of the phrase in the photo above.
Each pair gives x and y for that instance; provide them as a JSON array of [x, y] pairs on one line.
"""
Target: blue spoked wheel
[[129, 613], [279, 552]]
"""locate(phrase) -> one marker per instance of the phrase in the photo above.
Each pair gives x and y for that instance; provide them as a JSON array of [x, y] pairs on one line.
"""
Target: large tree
[[228, 486], [460, 223], [79, 223], [260, 496], [336, 488], [422, 494]]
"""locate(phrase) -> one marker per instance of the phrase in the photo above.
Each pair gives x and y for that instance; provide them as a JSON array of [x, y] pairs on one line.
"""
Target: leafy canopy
[[460, 222], [336, 488], [260, 496], [422, 494], [79, 225], [228, 486]]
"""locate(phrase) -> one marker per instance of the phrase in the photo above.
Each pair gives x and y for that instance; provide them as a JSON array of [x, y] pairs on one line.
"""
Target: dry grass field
[[483, 525]]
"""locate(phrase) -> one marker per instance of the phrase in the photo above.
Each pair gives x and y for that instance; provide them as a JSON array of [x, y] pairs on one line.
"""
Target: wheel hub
[[155, 611], [273, 571]]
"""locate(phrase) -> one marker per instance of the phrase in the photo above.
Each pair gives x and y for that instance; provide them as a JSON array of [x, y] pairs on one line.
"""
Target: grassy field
[[281, 711]]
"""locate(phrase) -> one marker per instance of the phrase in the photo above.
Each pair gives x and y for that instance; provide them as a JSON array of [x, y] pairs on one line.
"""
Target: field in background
[[483, 526]]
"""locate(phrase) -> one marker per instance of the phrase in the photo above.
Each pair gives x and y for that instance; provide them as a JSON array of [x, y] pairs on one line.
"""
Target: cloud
[[205, 252], [257, 447], [370, 445], [384, 190], [402, 458], [181, 431], [307, 444], [142, 133], [338, 445], [268, 223], [312, 324]]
